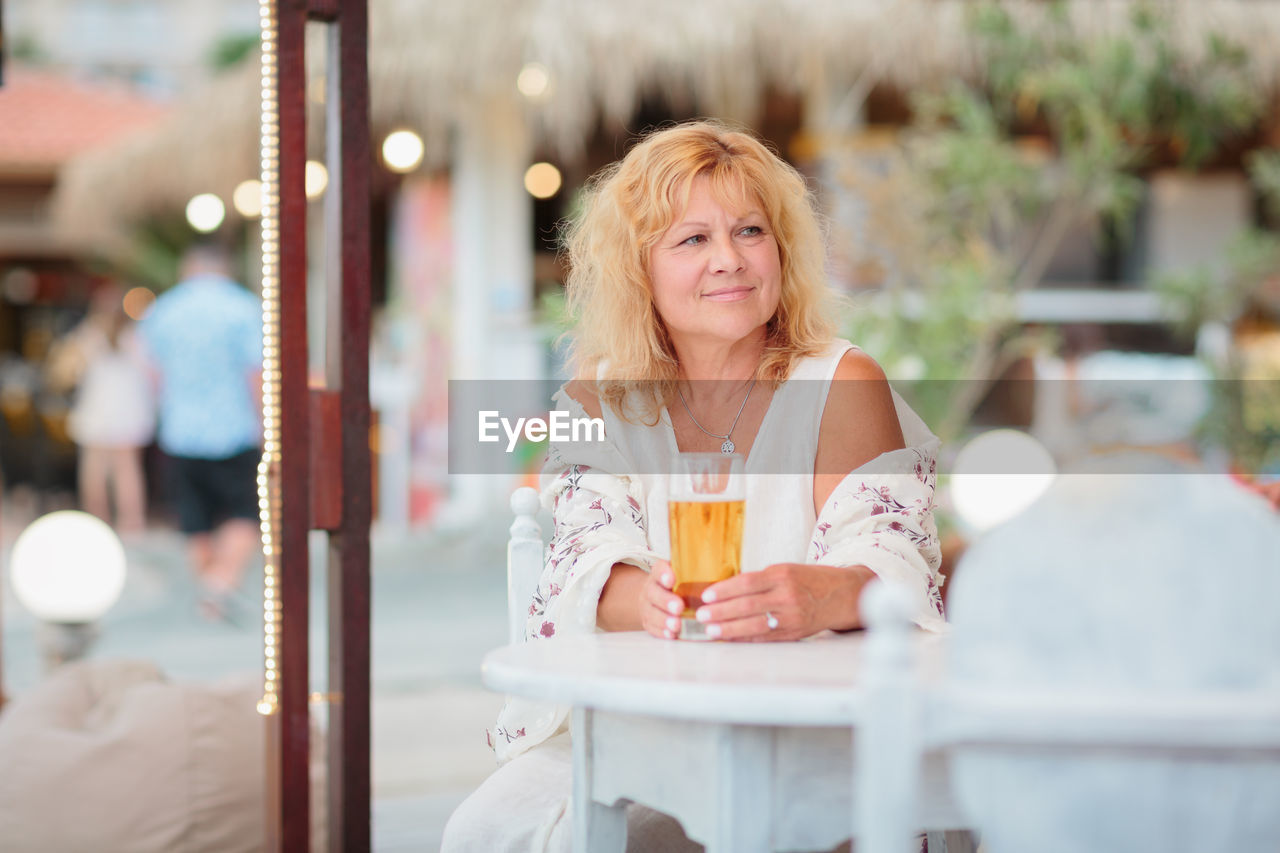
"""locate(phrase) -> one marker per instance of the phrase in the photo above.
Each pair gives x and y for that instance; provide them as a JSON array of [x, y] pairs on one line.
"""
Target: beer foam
[[707, 498]]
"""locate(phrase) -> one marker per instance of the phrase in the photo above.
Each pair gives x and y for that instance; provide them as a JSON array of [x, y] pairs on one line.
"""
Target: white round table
[[748, 745]]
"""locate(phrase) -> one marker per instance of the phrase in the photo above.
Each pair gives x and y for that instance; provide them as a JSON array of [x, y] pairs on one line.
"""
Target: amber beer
[[706, 511], [706, 545]]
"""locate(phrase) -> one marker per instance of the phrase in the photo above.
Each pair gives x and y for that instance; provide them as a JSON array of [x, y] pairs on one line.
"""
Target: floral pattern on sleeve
[[881, 517], [585, 522]]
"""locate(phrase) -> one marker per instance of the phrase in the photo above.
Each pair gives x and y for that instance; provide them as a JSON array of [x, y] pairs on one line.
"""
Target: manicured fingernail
[[668, 635], [674, 606], [713, 630], [709, 596], [667, 579], [703, 614], [673, 623]]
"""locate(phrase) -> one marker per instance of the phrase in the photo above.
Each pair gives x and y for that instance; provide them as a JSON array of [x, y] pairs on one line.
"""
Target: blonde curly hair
[[629, 205]]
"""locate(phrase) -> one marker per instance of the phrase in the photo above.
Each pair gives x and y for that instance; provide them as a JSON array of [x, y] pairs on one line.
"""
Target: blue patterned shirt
[[204, 336]]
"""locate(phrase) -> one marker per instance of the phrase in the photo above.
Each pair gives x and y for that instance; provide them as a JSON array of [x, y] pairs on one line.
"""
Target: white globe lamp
[[997, 475], [68, 568]]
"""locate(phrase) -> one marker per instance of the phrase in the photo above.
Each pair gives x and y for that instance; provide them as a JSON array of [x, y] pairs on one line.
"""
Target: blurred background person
[[112, 418], [204, 338]]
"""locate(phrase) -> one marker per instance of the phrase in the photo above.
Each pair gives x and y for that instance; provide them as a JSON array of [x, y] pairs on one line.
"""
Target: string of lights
[[269, 466]]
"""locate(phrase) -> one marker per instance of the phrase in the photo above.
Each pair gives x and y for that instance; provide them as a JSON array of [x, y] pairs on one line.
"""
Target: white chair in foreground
[[524, 561], [1113, 681]]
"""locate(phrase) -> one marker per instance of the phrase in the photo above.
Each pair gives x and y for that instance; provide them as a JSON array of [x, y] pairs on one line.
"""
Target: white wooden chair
[[524, 560], [1113, 682]]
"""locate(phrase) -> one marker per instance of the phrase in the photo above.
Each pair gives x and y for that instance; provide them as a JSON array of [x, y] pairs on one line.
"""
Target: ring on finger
[[770, 620]]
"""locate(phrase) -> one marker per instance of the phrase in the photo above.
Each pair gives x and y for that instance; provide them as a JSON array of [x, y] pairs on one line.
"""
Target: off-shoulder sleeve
[[881, 516], [599, 521]]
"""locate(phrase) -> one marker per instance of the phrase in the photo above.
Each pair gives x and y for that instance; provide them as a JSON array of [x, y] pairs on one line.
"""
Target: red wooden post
[[324, 458], [292, 720], [347, 369]]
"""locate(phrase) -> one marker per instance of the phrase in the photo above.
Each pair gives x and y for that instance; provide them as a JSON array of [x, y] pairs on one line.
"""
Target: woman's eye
[[695, 240], [751, 231]]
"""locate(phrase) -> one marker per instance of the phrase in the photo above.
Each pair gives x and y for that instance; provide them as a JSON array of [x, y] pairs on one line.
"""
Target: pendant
[[727, 447]]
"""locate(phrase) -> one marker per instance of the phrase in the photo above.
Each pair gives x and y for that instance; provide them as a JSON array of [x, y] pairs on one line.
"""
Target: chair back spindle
[[524, 561]]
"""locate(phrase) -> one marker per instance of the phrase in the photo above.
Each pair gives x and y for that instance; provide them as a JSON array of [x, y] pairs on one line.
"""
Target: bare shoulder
[[857, 365], [859, 393], [859, 422], [585, 393]]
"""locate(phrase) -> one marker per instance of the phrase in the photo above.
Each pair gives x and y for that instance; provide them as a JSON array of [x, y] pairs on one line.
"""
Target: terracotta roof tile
[[46, 117]]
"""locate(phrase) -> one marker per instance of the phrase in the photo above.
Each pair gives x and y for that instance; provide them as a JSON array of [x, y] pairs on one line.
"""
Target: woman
[[113, 417], [697, 279]]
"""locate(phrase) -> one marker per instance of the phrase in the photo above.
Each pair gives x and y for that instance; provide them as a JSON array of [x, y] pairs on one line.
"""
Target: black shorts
[[211, 491]]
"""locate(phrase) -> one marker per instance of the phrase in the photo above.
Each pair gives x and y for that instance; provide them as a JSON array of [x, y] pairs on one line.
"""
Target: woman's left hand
[[801, 599]]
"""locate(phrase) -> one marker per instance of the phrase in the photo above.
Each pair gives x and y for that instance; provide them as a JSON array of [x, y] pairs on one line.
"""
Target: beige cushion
[[108, 756]]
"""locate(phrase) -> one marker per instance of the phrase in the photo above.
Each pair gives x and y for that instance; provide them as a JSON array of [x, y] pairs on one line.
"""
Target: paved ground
[[439, 603]]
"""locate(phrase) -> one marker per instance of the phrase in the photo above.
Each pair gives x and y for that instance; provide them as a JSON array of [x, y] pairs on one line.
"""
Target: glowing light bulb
[[205, 212], [534, 80], [402, 151], [247, 198], [316, 180], [542, 180]]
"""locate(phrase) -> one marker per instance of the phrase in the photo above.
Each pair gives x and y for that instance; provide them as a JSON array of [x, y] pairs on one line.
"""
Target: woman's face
[[716, 272]]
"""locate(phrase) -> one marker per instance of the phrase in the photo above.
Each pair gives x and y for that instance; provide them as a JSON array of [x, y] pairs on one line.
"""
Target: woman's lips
[[729, 294]]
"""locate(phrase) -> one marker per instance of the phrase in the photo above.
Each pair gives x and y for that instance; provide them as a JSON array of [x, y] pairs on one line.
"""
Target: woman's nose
[[725, 256]]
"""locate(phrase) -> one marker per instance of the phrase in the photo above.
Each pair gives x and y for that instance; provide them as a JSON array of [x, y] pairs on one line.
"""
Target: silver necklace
[[727, 446]]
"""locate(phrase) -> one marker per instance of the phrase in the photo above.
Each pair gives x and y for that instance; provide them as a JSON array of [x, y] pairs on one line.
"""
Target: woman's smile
[[735, 293]]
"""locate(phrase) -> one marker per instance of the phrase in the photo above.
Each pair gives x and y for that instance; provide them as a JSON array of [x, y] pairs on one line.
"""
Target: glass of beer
[[706, 502]]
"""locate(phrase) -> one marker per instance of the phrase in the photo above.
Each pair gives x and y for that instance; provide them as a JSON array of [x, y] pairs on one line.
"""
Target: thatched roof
[[46, 119], [430, 62], [210, 143]]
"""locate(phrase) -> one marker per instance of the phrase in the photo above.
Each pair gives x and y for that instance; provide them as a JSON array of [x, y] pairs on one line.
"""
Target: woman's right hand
[[660, 608], [635, 599]]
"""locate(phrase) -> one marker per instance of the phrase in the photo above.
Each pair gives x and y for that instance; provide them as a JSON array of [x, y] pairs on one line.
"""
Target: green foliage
[[25, 49], [978, 176], [229, 50], [554, 322], [553, 312], [1245, 412], [1120, 94], [987, 182], [1200, 105], [156, 252], [1244, 418], [1264, 172], [1198, 296]]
